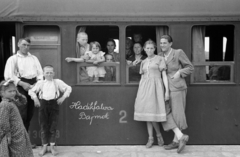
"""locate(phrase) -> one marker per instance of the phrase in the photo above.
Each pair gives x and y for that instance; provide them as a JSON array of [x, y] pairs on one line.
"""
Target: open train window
[[136, 36], [213, 54], [99, 59]]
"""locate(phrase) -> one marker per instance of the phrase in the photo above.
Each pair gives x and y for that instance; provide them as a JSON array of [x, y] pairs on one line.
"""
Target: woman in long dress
[[152, 93]]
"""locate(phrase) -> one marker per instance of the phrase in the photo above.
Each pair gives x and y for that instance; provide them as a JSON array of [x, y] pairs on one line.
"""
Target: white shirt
[[166, 56], [94, 56], [23, 66], [50, 89]]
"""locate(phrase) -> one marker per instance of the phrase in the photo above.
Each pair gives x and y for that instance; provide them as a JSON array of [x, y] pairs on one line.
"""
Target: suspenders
[[16, 65], [56, 90]]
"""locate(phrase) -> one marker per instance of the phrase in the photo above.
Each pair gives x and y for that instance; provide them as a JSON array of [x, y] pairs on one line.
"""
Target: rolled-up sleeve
[[10, 71], [32, 92], [64, 88], [39, 69]]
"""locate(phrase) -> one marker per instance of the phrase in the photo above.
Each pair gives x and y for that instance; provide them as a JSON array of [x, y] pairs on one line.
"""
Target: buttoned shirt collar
[[21, 55]]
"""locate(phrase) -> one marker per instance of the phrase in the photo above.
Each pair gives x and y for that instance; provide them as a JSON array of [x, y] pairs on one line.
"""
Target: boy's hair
[[82, 33], [27, 39], [95, 43], [48, 66], [5, 85]]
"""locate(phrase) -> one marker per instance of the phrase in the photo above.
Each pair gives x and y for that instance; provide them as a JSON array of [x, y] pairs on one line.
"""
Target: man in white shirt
[[49, 101], [24, 69]]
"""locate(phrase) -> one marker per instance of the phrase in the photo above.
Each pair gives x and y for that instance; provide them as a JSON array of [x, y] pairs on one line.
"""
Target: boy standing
[[49, 101]]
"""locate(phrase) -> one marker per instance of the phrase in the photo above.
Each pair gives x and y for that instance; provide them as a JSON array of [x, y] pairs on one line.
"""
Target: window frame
[[80, 64], [199, 64], [157, 43], [212, 63], [84, 64]]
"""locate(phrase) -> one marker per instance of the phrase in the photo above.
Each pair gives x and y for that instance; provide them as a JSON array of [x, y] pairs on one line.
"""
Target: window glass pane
[[13, 45], [91, 74], [213, 53], [206, 48], [220, 42], [224, 47], [214, 73], [97, 54]]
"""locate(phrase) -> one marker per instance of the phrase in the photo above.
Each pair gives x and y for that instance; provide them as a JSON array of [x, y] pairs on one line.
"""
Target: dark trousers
[[26, 111], [48, 120]]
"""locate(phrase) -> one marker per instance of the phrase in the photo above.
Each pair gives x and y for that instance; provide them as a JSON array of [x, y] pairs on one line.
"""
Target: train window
[[213, 54], [97, 50], [136, 36]]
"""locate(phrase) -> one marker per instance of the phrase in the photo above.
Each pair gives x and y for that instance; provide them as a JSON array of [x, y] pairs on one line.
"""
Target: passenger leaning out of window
[[81, 48]]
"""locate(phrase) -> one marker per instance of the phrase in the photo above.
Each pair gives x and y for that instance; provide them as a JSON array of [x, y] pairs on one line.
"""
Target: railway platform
[[141, 151]]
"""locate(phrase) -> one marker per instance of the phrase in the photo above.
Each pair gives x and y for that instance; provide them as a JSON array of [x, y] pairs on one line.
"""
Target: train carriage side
[[102, 113]]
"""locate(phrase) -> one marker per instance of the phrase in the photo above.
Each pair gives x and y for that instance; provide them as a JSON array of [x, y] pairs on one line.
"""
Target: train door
[[7, 48], [45, 45]]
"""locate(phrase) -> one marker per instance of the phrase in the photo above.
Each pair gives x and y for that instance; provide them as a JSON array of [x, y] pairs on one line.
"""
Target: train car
[[208, 31]]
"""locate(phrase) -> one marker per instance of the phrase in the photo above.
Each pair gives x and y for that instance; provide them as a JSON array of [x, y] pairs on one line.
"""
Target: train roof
[[119, 10]]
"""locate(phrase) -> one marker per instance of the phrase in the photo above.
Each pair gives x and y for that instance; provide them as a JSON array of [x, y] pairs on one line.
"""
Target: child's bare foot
[[53, 151], [43, 151]]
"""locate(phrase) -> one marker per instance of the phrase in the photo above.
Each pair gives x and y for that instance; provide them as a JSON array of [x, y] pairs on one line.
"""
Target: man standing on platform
[[25, 69]]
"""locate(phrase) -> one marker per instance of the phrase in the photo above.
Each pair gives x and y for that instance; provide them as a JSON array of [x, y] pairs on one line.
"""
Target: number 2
[[123, 113]]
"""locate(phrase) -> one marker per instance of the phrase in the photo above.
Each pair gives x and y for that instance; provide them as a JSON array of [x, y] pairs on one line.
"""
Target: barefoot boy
[[49, 101]]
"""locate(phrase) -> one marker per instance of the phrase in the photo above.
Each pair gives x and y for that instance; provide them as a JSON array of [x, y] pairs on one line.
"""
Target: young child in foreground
[[49, 101], [14, 139]]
